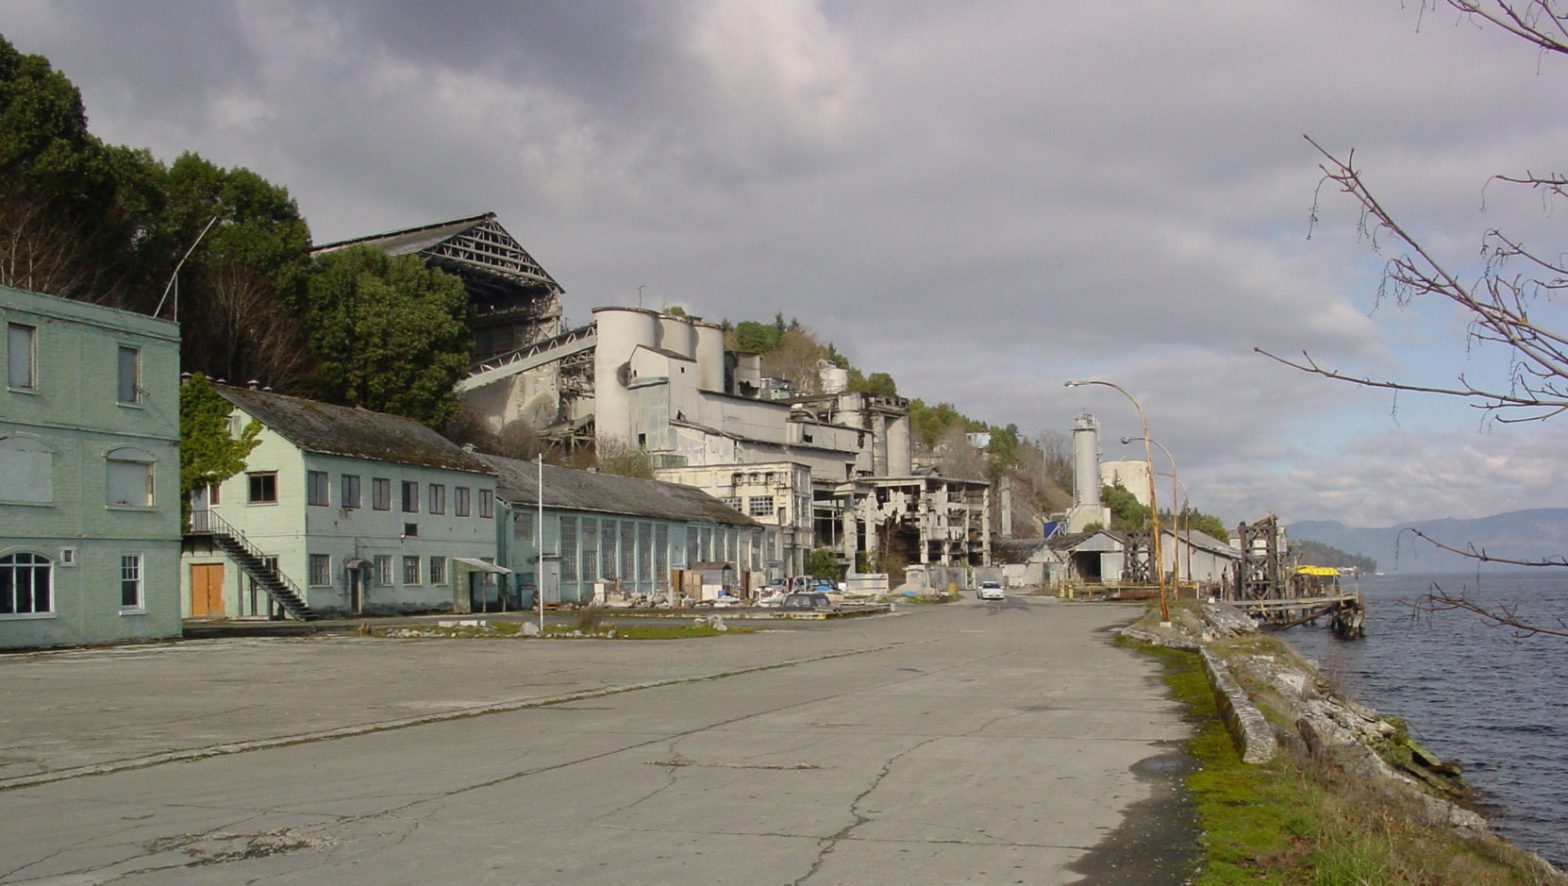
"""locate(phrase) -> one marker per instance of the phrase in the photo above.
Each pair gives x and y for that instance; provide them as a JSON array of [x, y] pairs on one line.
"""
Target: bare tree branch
[[1480, 555]]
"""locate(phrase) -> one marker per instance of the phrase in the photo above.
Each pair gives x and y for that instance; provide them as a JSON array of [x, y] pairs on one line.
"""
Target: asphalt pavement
[[969, 742]]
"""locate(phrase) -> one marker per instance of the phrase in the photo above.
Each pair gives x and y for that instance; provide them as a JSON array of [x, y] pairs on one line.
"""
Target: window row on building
[[408, 570], [22, 373], [27, 473], [27, 585], [262, 488]]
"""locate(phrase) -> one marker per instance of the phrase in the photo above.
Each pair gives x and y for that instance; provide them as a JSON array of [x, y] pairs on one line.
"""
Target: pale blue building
[[89, 473]]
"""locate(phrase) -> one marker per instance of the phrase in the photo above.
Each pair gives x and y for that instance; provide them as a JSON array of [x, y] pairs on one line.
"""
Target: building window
[[381, 493], [316, 487], [524, 521], [383, 569], [568, 549], [437, 498], [350, 491], [130, 386], [732, 502], [263, 487], [411, 570], [438, 570], [320, 569], [460, 500], [21, 347], [130, 478], [131, 581], [760, 506], [410, 496], [486, 503], [410, 530], [25, 585], [26, 470]]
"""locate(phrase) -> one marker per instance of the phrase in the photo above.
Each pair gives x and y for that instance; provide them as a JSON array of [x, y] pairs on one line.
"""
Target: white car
[[991, 590]]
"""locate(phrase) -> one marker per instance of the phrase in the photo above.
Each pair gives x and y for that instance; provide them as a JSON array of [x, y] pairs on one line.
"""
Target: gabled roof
[[571, 490], [477, 244], [352, 432], [1015, 550]]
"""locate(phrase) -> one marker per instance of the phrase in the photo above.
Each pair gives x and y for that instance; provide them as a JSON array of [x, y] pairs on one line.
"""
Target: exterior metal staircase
[[278, 586]]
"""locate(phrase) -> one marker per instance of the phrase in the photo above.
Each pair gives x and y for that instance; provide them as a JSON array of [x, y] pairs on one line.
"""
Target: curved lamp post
[[1154, 508], [1178, 515]]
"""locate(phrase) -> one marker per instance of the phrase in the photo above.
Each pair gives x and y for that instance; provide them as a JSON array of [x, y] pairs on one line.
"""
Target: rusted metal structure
[[515, 301]]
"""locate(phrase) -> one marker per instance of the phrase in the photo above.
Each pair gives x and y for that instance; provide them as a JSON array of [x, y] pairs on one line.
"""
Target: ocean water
[[1471, 693]]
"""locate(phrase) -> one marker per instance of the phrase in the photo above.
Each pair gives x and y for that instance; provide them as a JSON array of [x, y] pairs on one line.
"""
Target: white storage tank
[[710, 357], [619, 331], [678, 335]]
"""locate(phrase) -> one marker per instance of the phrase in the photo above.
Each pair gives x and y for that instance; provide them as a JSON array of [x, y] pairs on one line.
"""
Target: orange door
[[206, 590]]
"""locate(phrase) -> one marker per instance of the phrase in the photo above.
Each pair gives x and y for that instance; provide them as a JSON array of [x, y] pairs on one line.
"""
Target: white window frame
[[381, 493], [438, 570], [318, 489], [250, 490], [410, 569], [486, 503], [131, 574], [460, 507], [134, 382], [383, 563], [9, 571], [21, 374], [319, 570], [437, 498], [146, 477]]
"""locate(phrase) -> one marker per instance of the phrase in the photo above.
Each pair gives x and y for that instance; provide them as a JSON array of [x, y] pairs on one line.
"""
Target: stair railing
[[205, 521]]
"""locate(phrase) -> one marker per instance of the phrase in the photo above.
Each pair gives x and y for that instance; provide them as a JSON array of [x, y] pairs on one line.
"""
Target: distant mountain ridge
[[1517, 535]]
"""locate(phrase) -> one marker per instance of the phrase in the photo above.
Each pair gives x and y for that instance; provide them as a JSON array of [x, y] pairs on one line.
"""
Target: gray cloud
[[982, 199]]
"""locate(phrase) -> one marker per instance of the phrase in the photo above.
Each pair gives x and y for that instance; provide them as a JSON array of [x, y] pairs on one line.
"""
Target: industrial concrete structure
[[663, 384], [1087, 509], [1132, 474], [89, 473]]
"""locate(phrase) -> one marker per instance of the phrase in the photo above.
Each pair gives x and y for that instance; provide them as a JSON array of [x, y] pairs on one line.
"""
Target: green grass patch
[[1301, 823]]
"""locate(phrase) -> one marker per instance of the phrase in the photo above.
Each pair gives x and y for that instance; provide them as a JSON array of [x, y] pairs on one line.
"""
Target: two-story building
[[89, 473], [346, 510]]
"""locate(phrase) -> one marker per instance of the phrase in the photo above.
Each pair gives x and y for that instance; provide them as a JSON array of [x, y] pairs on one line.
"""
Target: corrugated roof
[[565, 489], [355, 433], [410, 240], [1015, 550]]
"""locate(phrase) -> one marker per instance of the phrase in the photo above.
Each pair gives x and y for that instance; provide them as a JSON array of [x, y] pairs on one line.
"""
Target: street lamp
[[1175, 560], [1154, 508]]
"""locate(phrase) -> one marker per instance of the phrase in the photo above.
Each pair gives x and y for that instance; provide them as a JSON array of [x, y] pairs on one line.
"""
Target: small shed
[[709, 580]]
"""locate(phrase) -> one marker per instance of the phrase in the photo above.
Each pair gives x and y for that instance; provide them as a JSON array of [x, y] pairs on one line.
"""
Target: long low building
[[611, 538]]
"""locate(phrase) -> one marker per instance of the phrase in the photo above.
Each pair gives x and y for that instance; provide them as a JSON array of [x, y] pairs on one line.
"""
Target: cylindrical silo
[[619, 331], [1086, 461], [678, 335], [710, 357]]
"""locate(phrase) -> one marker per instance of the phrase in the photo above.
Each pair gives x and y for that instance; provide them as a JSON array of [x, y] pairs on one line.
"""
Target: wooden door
[[206, 590]]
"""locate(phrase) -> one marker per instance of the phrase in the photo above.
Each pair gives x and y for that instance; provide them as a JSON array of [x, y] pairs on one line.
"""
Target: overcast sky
[[983, 199]]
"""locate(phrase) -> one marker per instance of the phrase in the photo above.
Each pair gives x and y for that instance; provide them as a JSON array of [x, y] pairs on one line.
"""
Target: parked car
[[807, 600], [772, 595], [991, 590]]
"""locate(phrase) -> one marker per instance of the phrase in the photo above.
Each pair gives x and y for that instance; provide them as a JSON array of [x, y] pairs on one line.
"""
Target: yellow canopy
[[1316, 570]]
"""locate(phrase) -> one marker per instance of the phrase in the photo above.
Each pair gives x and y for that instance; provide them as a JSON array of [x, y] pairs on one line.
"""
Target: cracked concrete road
[[967, 743]]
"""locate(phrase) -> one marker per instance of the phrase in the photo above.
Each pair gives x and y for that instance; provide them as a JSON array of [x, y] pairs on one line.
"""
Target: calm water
[[1471, 693]]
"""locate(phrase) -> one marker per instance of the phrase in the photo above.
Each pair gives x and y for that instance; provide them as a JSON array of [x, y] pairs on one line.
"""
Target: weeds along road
[[985, 743]]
